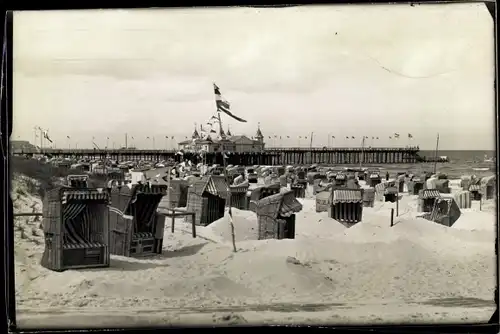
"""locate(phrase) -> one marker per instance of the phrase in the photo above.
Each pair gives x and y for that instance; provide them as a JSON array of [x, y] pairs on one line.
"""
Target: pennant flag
[[46, 136], [376, 138], [275, 136], [346, 137], [410, 135], [390, 137], [396, 135], [68, 137], [353, 137], [224, 106], [172, 137], [333, 137], [300, 137], [269, 137], [288, 136], [373, 137]]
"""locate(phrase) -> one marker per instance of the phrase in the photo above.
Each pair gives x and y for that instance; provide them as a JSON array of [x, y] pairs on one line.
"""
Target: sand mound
[[245, 226], [312, 224], [273, 276], [476, 221]]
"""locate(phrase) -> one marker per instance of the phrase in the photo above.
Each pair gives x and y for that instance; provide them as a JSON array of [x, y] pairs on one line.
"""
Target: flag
[[269, 137], [213, 131], [46, 136], [333, 137], [376, 138], [300, 137], [280, 137], [172, 137], [353, 137], [288, 136], [275, 136], [373, 138], [68, 137], [224, 106], [410, 135], [396, 135], [390, 137], [346, 137]]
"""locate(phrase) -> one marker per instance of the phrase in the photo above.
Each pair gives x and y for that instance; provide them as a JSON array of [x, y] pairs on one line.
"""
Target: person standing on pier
[[387, 176]]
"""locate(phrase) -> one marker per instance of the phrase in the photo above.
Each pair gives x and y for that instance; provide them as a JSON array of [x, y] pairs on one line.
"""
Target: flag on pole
[[410, 135], [68, 137], [46, 136], [396, 135], [224, 106], [353, 137], [333, 137]]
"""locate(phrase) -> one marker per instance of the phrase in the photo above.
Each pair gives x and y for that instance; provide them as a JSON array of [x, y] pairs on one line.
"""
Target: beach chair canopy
[[488, 180], [283, 204], [347, 196], [429, 193]]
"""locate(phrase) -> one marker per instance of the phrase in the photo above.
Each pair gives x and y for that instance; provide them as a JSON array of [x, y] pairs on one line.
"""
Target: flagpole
[[34, 141], [362, 152], [436, 154], [227, 182]]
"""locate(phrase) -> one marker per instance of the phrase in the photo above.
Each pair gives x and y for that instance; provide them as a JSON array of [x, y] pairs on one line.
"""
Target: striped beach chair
[[463, 199]]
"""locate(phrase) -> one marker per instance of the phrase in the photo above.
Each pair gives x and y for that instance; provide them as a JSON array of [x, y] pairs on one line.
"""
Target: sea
[[460, 163]]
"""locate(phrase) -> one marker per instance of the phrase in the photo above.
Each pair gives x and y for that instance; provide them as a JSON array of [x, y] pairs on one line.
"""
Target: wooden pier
[[278, 156]]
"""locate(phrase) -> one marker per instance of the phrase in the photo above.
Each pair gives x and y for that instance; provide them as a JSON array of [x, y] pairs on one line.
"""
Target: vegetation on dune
[[42, 177]]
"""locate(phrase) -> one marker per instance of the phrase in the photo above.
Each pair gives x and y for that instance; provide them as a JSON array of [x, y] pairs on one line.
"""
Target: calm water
[[461, 163]]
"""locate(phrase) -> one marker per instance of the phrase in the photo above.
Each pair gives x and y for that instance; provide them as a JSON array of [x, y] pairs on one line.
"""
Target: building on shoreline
[[224, 142]]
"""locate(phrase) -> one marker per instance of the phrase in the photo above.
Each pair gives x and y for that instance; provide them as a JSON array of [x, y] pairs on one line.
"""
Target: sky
[[371, 70]]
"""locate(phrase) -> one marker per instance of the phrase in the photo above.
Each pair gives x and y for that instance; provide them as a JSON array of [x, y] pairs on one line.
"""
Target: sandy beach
[[416, 271]]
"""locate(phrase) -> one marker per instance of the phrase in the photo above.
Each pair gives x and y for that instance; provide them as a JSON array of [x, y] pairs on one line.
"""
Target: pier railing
[[270, 156]]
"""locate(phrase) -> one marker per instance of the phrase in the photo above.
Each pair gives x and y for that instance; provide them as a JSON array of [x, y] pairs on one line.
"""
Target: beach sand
[[414, 272]]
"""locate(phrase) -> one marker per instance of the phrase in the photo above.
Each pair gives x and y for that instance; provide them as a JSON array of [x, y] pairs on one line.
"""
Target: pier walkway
[[271, 156]]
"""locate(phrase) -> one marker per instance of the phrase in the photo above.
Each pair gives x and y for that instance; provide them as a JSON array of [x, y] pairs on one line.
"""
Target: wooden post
[[193, 225], [173, 221], [397, 204], [480, 202], [392, 217]]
